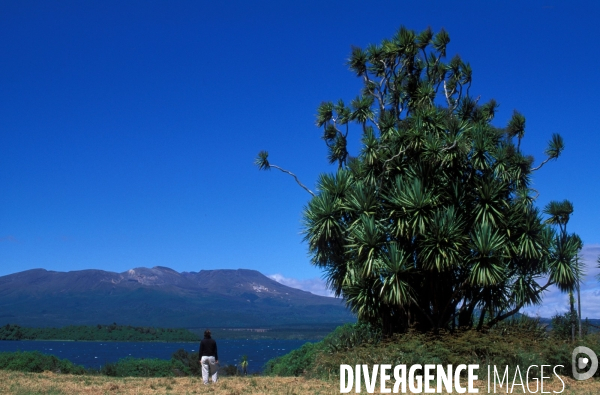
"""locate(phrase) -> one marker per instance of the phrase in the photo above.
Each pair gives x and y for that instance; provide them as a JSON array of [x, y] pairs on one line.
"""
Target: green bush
[[562, 325], [229, 370], [182, 363], [133, 367], [521, 342], [295, 363], [189, 361], [36, 362], [352, 335]]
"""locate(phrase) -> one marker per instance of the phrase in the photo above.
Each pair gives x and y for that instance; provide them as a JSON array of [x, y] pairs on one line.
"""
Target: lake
[[96, 354]]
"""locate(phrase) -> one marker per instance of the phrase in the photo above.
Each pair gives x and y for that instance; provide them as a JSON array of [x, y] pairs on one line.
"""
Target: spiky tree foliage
[[432, 225]]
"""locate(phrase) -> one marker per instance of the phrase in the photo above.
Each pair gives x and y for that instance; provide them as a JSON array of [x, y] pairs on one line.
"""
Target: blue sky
[[128, 129]]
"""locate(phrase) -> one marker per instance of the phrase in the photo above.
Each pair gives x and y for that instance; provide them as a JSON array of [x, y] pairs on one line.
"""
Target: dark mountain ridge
[[161, 296]]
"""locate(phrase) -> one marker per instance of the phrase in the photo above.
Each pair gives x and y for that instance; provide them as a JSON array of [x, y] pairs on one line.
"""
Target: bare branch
[[518, 307], [542, 164], [449, 97], [295, 177], [450, 147], [394, 157]]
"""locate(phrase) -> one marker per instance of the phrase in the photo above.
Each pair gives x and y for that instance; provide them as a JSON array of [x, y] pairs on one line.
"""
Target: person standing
[[209, 357]]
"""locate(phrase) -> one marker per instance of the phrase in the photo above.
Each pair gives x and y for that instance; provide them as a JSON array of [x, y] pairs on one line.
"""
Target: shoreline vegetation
[[315, 367], [520, 342], [112, 332]]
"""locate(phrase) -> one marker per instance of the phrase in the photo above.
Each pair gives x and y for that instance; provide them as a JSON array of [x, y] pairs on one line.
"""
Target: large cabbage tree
[[433, 223]]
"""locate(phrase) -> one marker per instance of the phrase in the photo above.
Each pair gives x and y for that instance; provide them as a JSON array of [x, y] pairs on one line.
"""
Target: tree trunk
[[572, 302], [579, 306]]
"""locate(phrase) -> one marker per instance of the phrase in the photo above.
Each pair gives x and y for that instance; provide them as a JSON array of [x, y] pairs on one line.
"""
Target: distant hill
[[161, 297]]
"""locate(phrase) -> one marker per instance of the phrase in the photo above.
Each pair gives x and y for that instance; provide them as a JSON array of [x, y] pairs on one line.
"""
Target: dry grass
[[56, 384]]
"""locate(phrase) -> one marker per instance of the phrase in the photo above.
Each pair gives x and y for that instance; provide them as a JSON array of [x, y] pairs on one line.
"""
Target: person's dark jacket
[[208, 348]]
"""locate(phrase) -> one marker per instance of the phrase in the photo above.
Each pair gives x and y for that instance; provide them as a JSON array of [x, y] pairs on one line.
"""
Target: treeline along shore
[[112, 332]]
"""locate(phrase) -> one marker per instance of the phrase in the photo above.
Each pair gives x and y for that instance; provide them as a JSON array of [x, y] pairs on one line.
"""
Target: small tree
[[560, 213], [244, 364], [432, 225]]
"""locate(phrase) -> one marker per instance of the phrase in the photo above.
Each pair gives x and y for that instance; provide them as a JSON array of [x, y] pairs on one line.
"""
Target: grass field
[[47, 383]]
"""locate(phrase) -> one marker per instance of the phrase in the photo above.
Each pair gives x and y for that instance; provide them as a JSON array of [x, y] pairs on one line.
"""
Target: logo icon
[[582, 362]]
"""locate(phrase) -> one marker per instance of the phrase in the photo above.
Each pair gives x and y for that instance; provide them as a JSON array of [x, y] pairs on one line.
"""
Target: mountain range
[[161, 297]]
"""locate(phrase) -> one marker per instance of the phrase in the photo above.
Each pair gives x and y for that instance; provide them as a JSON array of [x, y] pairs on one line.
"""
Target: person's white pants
[[206, 367]]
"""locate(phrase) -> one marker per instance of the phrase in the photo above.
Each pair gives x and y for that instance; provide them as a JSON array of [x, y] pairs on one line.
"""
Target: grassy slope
[[523, 344]]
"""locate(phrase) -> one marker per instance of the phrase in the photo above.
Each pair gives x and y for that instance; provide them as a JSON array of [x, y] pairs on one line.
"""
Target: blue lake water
[[96, 354]]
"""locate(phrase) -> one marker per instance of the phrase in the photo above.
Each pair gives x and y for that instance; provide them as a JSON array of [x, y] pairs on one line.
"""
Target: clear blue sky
[[129, 128]]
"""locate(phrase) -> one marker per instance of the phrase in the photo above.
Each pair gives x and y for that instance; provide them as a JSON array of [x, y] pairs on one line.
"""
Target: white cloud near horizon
[[554, 301], [316, 286]]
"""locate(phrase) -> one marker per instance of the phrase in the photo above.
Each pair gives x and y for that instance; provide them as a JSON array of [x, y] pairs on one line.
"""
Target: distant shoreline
[[127, 333], [104, 333], [101, 341]]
